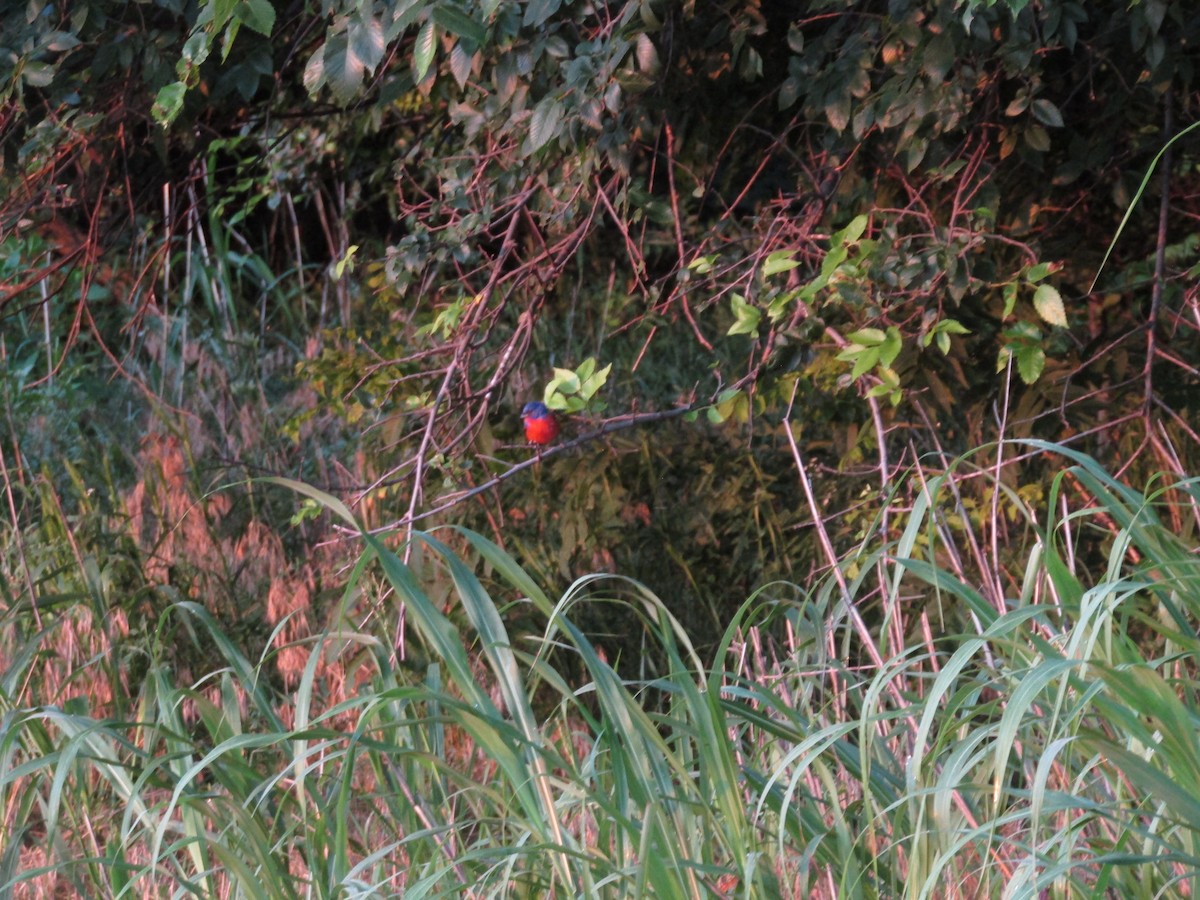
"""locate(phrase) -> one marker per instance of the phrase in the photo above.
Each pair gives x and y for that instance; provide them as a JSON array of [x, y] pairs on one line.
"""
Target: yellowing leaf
[[837, 111], [1049, 305]]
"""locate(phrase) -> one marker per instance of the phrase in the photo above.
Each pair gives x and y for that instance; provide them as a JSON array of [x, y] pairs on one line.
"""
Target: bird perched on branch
[[541, 425]]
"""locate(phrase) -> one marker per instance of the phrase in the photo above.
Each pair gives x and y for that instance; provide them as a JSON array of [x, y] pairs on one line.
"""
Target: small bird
[[541, 426]]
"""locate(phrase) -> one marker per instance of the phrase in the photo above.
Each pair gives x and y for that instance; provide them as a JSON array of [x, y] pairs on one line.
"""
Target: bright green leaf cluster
[[1024, 342], [574, 391], [446, 322], [940, 331], [215, 17], [731, 404], [874, 349], [745, 316]]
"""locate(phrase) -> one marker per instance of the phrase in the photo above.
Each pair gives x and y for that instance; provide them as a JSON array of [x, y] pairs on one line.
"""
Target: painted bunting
[[541, 426]]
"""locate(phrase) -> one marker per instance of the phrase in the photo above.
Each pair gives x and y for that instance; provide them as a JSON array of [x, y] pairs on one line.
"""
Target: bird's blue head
[[535, 409]]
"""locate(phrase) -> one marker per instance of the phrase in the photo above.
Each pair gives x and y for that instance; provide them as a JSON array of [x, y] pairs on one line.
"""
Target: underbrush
[[402, 740]]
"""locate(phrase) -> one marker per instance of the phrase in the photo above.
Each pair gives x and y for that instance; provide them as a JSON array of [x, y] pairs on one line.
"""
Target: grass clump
[[1041, 746]]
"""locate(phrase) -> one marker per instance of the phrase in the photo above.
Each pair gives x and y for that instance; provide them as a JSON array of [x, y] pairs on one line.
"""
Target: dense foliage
[[779, 265], [1050, 751], [733, 201]]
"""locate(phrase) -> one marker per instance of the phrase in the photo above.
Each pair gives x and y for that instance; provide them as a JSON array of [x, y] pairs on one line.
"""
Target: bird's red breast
[[541, 427]]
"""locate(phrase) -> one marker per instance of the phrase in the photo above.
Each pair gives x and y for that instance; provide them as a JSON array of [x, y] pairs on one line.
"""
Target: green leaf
[[941, 333], [347, 261], [779, 261], [1037, 138], [890, 348], [258, 15], [837, 110], [1038, 272], [889, 386], [867, 337], [538, 11], [1049, 305], [61, 41], [782, 304], [939, 57], [789, 92], [195, 51], [746, 317], [564, 381], [732, 404], [343, 69], [314, 71], [169, 102], [38, 74], [795, 39], [917, 148], [592, 383], [1017, 106], [866, 361], [215, 14], [227, 39], [852, 232], [458, 22], [1010, 298], [863, 358], [423, 51], [460, 64], [545, 122], [1031, 360], [1047, 113], [364, 40]]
